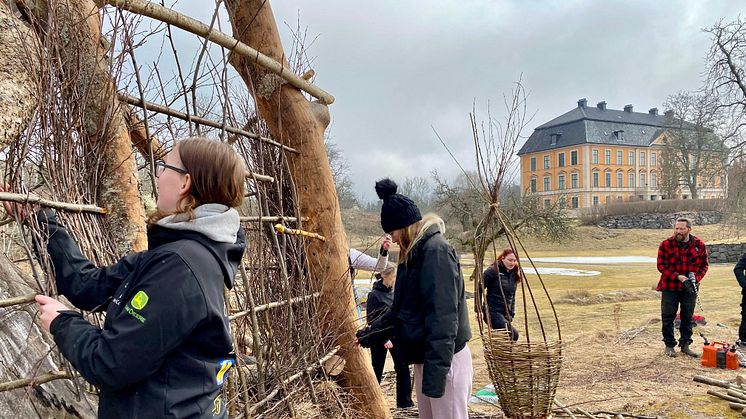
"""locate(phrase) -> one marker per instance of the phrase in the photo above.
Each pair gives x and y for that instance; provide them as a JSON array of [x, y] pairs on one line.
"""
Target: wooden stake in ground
[[295, 121]]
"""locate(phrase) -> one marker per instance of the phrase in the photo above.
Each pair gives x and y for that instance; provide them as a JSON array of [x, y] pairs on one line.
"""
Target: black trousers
[[498, 321], [403, 378], [671, 301], [742, 327]]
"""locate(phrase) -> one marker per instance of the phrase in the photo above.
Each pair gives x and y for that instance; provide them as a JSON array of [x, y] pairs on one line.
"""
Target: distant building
[[594, 155]]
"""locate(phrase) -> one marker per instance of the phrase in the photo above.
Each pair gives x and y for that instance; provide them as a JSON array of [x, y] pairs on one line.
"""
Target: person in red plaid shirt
[[682, 262]]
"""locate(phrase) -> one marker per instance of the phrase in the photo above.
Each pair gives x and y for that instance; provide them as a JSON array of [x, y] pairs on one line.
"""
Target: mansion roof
[[597, 125]]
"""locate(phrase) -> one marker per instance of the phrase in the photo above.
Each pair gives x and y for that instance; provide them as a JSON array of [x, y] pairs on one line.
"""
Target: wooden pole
[[300, 124]]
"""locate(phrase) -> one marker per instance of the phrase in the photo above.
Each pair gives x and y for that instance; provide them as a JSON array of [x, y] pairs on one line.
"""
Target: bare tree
[[341, 174], [419, 190], [697, 133], [726, 77], [478, 200], [669, 182]]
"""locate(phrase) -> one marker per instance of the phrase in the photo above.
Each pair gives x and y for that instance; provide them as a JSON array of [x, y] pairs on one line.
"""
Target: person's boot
[[685, 350], [670, 352]]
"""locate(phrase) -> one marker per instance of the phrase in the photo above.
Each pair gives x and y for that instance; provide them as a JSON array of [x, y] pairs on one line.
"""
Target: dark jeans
[[670, 303], [498, 321], [742, 327], [403, 379]]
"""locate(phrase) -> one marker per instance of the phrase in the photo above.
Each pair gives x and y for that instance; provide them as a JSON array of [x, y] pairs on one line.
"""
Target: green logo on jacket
[[139, 300]]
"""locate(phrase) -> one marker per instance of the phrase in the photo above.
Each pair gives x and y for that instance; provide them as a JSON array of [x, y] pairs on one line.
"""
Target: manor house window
[[533, 164], [546, 162], [594, 158], [574, 157]]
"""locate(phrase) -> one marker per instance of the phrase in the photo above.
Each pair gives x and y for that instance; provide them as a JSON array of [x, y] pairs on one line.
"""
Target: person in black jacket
[[429, 318], [380, 299], [165, 347], [500, 281], [740, 271]]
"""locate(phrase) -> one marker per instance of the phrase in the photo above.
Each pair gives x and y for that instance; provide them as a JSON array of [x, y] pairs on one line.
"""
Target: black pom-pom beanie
[[397, 211]]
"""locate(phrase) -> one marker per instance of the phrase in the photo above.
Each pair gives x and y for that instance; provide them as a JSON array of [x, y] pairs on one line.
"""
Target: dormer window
[[619, 135], [555, 137]]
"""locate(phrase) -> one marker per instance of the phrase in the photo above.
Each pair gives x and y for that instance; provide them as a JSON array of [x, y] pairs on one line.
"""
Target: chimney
[[601, 105], [582, 103], [653, 111], [669, 113], [628, 108]]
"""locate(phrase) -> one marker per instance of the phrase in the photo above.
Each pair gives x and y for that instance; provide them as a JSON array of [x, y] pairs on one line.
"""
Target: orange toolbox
[[718, 355]]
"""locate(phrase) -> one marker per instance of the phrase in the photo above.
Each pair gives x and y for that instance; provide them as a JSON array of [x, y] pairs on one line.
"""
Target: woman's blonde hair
[[411, 234], [217, 173]]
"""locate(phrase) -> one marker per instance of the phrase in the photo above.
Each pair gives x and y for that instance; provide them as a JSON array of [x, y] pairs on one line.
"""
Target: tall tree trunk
[[18, 82], [299, 123]]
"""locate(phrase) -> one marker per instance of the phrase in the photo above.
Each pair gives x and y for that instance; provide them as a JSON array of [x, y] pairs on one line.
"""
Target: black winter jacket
[[165, 346], [429, 316], [380, 299], [501, 286], [740, 271]]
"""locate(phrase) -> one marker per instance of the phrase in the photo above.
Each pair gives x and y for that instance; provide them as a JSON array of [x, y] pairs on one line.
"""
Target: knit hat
[[397, 211]]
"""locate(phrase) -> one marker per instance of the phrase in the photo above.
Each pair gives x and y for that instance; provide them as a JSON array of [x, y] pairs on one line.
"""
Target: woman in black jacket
[[165, 346], [429, 316], [380, 299], [500, 281]]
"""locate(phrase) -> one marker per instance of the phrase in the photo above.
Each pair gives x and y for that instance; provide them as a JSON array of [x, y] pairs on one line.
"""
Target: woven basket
[[525, 375]]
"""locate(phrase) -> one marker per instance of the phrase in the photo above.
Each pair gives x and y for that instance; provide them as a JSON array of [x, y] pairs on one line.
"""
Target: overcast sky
[[398, 69]]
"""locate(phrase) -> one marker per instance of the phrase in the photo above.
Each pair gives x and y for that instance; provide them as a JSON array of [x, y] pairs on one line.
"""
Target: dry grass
[[613, 354]]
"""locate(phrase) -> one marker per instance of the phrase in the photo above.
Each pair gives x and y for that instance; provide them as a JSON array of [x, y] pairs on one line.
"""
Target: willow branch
[[136, 101], [14, 301], [33, 381], [163, 14], [273, 304], [66, 206], [273, 219]]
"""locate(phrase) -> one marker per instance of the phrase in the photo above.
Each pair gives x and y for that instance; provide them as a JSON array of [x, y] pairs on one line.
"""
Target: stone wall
[[726, 252], [658, 220]]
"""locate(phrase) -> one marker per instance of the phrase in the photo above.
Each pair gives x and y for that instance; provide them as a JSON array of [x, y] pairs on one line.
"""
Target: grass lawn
[[610, 323]]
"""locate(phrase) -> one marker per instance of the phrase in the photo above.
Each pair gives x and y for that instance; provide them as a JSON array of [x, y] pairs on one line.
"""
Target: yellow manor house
[[594, 155]]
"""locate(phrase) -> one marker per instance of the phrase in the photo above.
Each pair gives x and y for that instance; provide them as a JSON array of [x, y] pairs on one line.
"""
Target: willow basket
[[525, 375]]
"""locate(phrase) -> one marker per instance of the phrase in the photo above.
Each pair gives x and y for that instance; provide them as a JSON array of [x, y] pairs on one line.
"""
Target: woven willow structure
[[282, 352], [526, 372]]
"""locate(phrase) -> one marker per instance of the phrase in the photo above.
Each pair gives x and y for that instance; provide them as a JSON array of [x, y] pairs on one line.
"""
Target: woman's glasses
[[160, 166]]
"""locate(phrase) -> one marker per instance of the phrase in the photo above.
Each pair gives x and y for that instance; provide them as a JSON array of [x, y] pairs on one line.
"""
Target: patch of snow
[[597, 260], [560, 271]]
